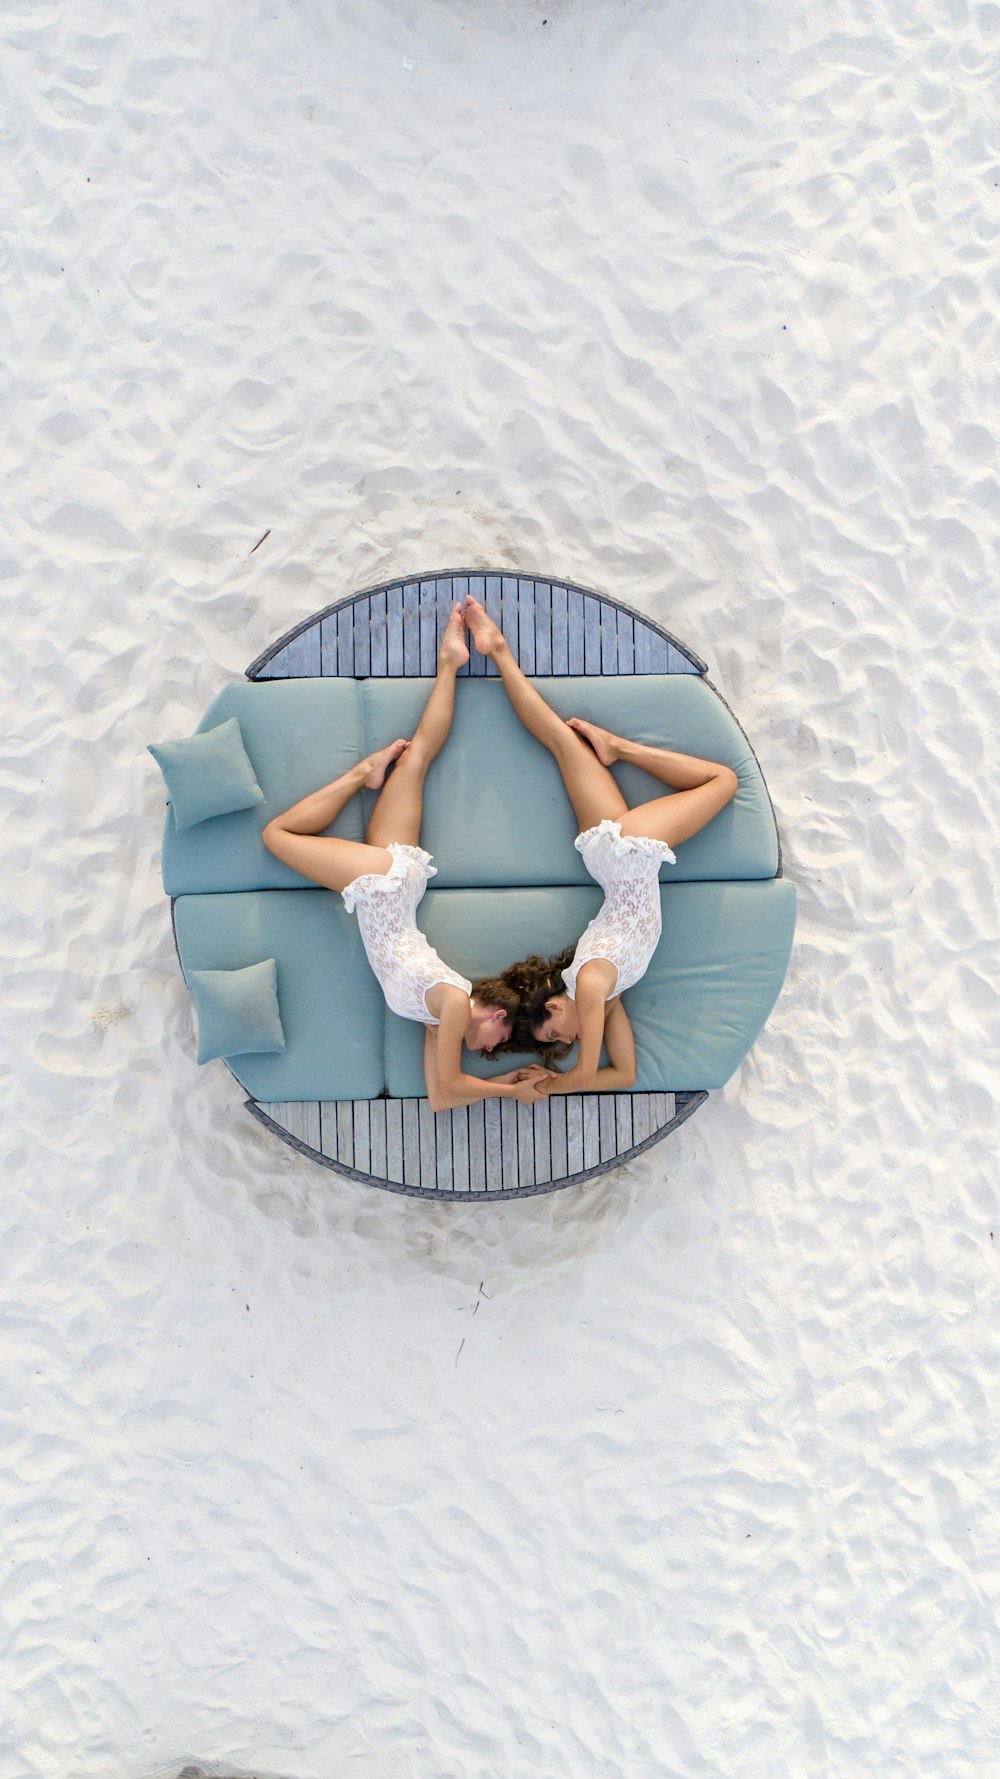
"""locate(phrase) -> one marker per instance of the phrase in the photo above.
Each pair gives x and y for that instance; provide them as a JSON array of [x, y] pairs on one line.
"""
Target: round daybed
[[348, 1088]]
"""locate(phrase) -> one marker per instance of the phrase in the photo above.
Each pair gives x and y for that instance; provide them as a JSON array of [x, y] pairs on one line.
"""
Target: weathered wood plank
[[429, 1175], [677, 661], [591, 1130], [394, 632], [445, 601], [659, 653], [362, 1136], [543, 627], [508, 1143], [609, 639], [626, 641], [492, 1145], [394, 1159], [443, 1126], [575, 627], [526, 625], [345, 1132], [411, 628], [428, 626], [658, 1112], [301, 1118], [379, 639], [525, 1122], [362, 638], [300, 658], [607, 1125], [376, 1136], [542, 1121], [328, 1128], [623, 1120], [345, 641], [640, 1117], [574, 1133], [329, 640], [411, 1142], [591, 635], [558, 1160], [477, 1147], [643, 638], [477, 589], [493, 606], [459, 1148], [560, 629]]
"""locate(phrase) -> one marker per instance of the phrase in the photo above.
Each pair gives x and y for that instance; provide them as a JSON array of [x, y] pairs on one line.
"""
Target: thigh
[[590, 787], [399, 807], [333, 863]]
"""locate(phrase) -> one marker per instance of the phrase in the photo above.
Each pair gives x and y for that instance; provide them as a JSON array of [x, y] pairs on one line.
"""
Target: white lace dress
[[627, 928], [385, 904]]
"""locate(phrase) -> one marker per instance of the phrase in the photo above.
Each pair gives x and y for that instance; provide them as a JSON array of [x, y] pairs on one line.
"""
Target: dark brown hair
[[535, 980], [496, 991]]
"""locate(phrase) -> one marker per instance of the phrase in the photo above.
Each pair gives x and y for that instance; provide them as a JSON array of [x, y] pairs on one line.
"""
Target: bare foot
[[378, 764], [605, 745], [482, 629], [454, 649]]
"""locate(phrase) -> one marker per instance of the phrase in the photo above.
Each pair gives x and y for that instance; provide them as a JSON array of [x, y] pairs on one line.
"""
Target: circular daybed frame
[[497, 1148]]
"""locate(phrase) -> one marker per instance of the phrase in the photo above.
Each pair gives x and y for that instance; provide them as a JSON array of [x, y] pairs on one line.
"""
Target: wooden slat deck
[[394, 631], [402, 1144], [496, 1149]]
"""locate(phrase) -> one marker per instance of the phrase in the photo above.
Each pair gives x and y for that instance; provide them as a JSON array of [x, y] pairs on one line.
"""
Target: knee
[[269, 836], [729, 782]]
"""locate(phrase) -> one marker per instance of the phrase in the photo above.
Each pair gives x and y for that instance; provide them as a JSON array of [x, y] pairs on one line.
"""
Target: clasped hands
[[531, 1083]]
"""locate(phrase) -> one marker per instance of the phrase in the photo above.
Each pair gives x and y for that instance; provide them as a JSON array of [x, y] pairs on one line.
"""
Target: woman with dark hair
[[383, 879], [575, 997]]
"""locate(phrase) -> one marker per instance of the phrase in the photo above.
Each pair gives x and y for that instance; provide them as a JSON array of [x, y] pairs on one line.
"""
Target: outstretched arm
[[448, 1086], [599, 1024]]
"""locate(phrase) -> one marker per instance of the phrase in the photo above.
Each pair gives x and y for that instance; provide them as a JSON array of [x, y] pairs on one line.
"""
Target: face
[[559, 1025], [490, 1026]]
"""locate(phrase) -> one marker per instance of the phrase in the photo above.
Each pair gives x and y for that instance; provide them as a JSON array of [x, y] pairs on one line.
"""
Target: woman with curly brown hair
[[576, 996]]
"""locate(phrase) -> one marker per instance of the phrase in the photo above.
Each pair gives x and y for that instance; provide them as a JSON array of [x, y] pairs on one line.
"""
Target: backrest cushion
[[495, 809]]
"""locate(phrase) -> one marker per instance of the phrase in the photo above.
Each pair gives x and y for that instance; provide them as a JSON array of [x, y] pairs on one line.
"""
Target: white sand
[[696, 302]]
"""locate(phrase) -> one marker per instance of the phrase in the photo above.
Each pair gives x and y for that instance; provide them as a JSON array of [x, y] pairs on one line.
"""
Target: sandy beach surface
[[691, 1473]]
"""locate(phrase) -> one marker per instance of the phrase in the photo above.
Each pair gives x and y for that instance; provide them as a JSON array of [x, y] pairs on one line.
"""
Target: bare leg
[[702, 787], [297, 838], [398, 812], [589, 785]]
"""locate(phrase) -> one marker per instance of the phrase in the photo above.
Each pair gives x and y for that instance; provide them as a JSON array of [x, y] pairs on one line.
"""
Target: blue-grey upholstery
[[509, 880], [331, 1006], [714, 978]]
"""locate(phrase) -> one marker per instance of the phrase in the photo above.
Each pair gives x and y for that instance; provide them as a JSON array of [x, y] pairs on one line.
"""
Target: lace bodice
[[401, 957], [627, 927]]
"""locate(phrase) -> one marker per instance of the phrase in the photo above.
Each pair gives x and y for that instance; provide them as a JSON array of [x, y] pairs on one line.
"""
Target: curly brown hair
[[496, 991], [535, 980]]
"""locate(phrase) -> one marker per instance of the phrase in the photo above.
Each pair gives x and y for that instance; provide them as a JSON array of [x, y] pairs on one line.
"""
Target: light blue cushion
[[207, 774], [712, 982], [300, 734], [332, 1009], [237, 1011], [496, 811]]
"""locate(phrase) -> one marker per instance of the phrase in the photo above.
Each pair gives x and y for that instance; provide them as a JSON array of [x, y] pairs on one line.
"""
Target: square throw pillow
[[237, 1011], [207, 774]]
